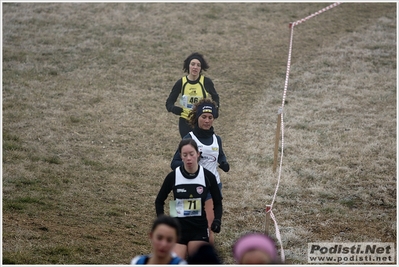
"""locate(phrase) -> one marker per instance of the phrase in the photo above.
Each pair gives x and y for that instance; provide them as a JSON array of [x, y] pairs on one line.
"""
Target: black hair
[[205, 254], [188, 141], [195, 55], [169, 221]]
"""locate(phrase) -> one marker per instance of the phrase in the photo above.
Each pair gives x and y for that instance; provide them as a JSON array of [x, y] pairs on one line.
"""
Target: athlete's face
[[189, 157], [195, 67], [205, 121], [256, 257], [163, 239]]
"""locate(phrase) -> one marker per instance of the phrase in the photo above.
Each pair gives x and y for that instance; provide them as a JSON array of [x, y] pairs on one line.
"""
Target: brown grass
[[87, 140]]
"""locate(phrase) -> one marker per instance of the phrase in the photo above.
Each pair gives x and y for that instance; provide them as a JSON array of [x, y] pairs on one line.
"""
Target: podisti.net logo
[[340, 253]]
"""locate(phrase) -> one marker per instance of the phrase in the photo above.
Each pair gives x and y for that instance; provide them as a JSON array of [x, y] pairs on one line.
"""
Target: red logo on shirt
[[200, 190]]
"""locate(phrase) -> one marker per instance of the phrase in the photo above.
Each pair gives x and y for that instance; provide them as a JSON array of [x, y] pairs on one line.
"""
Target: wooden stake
[[267, 219], [277, 140]]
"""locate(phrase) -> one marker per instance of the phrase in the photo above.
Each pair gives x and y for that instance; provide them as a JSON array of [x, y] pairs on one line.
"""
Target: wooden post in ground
[[267, 219], [277, 140]]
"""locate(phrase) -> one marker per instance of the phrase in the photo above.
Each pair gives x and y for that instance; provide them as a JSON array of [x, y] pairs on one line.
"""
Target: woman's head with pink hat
[[255, 248]]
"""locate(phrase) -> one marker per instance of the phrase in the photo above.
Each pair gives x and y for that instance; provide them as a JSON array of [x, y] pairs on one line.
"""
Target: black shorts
[[201, 234]]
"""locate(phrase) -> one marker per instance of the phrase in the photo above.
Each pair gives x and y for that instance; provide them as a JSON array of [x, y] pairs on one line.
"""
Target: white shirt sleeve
[[134, 260]]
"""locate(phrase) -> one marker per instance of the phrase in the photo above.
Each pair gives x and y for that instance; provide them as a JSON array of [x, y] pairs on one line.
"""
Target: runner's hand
[[215, 227], [224, 166], [177, 110]]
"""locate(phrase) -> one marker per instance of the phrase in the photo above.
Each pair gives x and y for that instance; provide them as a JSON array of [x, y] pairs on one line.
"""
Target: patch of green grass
[[59, 251], [112, 213], [211, 15], [301, 126], [11, 206], [23, 182], [74, 119], [96, 100], [91, 237], [89, 162], [327, 196], [11, 145], [14, 55], [52, 160], [29, 200], [350, 203], [11, 142], [327, 210], [21, 203]]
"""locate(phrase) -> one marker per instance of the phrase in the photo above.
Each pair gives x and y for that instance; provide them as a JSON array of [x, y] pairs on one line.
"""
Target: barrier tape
[[314, 14], [281, 111]]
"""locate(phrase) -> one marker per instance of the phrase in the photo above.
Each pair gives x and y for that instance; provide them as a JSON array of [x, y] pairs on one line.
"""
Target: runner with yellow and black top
[[191, 94], [189, 90]]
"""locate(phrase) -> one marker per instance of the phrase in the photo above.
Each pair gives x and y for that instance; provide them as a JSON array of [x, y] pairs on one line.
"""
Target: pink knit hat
[[254, 241]]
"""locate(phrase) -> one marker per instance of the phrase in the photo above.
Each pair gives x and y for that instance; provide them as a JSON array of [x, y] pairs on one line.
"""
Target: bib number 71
[[188, 207]]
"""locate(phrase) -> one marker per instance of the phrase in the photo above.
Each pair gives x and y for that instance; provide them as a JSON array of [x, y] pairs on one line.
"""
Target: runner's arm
[[164, 192], [210, 88], [222, 160], [216, 195], [174, 94]]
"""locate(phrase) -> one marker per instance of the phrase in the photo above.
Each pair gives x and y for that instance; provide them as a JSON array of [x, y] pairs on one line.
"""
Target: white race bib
[[188, 207]]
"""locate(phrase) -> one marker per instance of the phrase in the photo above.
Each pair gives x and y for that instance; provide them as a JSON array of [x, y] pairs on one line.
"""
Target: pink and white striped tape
[[292, 24], [281, 109]]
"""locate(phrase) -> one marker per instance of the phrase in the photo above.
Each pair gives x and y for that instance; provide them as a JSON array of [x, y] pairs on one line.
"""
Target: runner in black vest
[[191, 184]]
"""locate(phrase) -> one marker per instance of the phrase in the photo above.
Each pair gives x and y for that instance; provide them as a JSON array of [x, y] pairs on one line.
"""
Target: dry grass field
[[87, 140]]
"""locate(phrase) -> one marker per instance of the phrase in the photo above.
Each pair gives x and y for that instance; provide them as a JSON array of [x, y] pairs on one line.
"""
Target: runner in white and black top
[[191, 184], [201, 117]]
